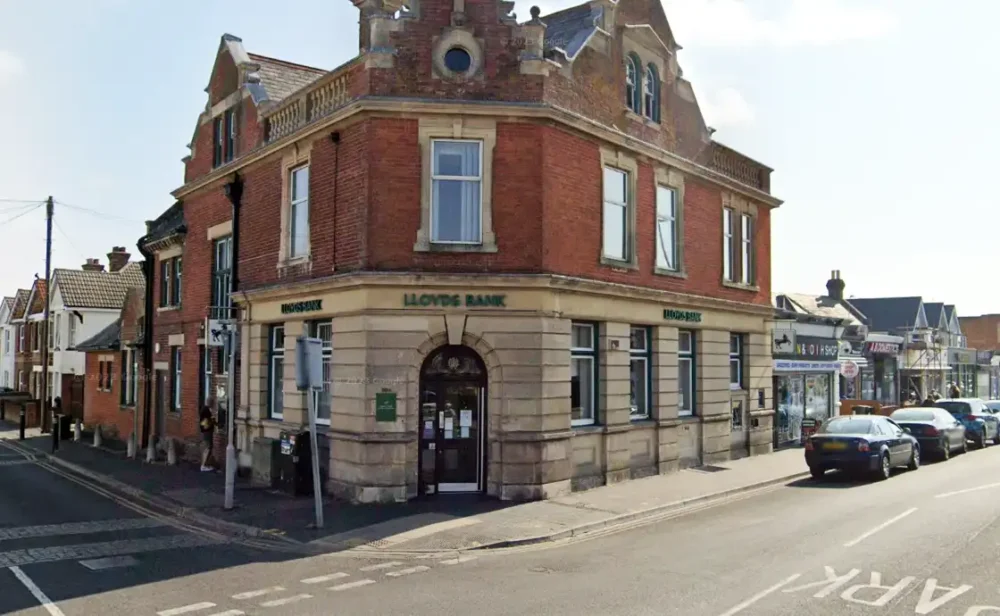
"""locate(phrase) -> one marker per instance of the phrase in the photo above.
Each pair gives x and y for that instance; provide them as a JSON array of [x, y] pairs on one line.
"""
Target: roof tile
[[88, 289]]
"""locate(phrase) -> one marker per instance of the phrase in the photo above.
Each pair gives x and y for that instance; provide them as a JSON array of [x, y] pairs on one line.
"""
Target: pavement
[[923, 542]]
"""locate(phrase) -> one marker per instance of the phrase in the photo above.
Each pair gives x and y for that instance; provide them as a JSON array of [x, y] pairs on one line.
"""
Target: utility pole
[[46, 408]]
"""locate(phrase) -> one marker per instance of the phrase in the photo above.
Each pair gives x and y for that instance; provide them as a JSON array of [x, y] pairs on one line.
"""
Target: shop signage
[[984, 358], [307, 306], [385, 406], [783, 341], [687, 316], [810, 347], [783, 365], [961, 356], [882, 348], [453, 300], [849, 369]]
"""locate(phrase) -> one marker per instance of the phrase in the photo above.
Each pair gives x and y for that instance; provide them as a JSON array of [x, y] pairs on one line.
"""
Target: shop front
[[880, 376], [962, 371], [984, 374], [519, 388], [805, 377]]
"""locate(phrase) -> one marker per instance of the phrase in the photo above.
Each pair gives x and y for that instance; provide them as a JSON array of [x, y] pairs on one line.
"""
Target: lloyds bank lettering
[[453, 300]]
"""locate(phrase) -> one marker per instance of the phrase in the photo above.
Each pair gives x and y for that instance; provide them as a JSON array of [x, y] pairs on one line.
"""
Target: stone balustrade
[[734, 165], [313, 102]]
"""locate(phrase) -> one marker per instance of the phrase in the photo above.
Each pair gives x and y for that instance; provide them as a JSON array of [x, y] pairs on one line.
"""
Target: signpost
[[227, 336], [309, 378]]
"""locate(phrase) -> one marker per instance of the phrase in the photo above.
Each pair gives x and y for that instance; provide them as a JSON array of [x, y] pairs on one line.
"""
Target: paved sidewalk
[[581, 512], [444, 524]]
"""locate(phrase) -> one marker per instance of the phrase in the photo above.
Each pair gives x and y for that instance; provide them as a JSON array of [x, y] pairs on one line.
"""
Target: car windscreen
[[913, 415], [956, 408], [993, 406], [846, 426]]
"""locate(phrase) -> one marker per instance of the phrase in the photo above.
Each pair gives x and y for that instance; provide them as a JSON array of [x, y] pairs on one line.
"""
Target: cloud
[[726, 107], [10, 66], [732, 23]]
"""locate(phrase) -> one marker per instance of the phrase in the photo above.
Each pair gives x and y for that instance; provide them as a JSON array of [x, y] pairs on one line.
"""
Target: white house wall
[[94, 320], [7, 345]]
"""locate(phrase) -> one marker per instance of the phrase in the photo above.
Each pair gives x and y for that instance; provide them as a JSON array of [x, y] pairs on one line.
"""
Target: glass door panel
[[459, 446]]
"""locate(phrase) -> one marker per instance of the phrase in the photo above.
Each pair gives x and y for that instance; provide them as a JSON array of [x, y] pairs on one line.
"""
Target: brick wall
[[982, 332], [102, 407]]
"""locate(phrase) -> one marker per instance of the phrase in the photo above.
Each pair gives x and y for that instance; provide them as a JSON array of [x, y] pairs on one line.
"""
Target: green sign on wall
[[687, 316], [385, 406], [296, 307], [453, 300]]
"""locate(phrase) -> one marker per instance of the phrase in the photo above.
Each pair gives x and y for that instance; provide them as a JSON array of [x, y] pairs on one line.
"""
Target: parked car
[[981, 425], [935, 429], [993, 405], [861, 443]]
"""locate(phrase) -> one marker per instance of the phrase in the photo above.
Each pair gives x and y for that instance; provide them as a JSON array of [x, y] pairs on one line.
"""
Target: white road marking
[[187, 609], [33, 588], [230, 613], [966, 491], [381, 566], [324, 578], [879, 528], [736, 609], [460, 559], [286, 601], [112, 562], [350, 585], [257, 593], [403, 572]]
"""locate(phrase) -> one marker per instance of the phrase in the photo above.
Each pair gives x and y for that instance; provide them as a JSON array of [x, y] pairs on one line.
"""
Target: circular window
[[457, 60]]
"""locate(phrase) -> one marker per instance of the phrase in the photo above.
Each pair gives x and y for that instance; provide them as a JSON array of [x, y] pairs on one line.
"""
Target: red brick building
[[531, 267]]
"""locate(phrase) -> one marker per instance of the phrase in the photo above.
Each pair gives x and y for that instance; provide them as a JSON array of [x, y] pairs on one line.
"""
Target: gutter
[[147, 343]]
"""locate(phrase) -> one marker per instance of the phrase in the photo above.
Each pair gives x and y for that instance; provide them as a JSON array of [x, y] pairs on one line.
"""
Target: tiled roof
[[933, 312], [822, 306], [167, 223], [280, 78], [88, 289], [570, 28], [38, 299], [889, 314], [105, 340], [949, 312], [20, 303]]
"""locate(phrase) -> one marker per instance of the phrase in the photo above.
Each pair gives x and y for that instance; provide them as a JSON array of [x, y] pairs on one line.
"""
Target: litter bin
[[863, 409], [293, 467]]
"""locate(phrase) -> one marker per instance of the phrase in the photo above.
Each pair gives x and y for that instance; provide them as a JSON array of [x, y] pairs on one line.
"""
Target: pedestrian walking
[[207, 425]]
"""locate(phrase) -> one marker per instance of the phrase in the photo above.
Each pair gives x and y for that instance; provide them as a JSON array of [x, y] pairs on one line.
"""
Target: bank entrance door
[[452, 422]]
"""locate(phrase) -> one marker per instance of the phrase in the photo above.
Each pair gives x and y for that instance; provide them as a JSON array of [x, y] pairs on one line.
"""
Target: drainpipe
[[147, 342], [234, 192]]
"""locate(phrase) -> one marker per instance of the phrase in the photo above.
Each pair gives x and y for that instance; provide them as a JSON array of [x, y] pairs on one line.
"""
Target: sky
[[855, 104]]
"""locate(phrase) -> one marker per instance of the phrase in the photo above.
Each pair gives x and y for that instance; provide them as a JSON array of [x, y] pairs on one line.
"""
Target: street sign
[[308, 363], [385, 406], [849, 369]]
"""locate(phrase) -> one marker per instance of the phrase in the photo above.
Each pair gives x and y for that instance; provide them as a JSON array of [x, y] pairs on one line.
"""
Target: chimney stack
[[835, 286], [93, 265], [117, 258]]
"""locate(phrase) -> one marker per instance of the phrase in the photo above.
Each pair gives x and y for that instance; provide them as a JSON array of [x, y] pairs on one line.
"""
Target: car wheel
[[817, 472], [945, 450], [996, 439], [914, 459], [981, 440], [884, 468]]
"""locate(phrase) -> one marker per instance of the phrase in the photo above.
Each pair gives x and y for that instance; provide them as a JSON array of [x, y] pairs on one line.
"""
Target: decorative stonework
[[460, 38]]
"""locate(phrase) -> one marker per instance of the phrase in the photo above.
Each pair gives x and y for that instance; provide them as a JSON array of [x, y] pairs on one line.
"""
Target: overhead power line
[[96, 212], [28, 210]]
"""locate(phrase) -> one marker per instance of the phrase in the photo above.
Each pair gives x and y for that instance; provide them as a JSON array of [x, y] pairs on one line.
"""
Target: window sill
[[484, 247], [740, 286], [168, 308], [299, 264], [671, 273], [616, 264], [587, 428], [642, 422]]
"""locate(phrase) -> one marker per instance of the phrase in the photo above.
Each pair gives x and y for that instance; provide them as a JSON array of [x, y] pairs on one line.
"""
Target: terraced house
[[532, 268]]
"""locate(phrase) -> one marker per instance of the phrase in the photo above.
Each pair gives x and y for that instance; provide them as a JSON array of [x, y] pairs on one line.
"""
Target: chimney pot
[[117, 258], [835, 286], [93, 265]]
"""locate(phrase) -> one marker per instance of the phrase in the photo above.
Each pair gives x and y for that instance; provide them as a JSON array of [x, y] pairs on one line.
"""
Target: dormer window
[[651, 94], [633, 98]]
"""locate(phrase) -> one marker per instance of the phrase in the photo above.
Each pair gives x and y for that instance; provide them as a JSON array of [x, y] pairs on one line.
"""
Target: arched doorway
[[453, 383]]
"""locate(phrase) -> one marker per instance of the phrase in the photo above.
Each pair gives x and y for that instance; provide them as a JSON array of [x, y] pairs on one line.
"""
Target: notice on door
[[465, 420]]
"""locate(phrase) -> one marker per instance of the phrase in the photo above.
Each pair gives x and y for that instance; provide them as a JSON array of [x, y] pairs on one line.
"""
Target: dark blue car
[[862, 444], [981, 424]]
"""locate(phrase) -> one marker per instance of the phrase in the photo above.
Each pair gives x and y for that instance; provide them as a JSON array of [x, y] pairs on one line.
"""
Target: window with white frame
[[456, 191], [101, 368], [685, 373], [747, 253], [736, 361], [175, 379], [666, 228], [170, 282], [71, 331], [20, 332], [134, 395], [615, 229], [324, 331], [728, 246], [632, 82], [651, 93], [276, 372], [640, 372], [222, 273], [583, 374], [298, 241], [58, 333]]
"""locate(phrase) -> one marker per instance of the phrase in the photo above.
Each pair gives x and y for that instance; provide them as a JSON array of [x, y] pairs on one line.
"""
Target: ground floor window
[[803, 401], [276, 372], [640, 372], [965, 377], [884, 380], [685, 373]]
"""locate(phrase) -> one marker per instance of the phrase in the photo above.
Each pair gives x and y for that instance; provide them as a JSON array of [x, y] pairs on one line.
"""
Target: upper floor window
[[615, 243], [58, 331], [170, 281], [651, 94], [71, 330], [298, 245], [230, 141], [748, 266], [224, 138], [728, 246], [175, 379], [739, 258], [218, 141], [50, 332], [666, 228], [20, 333], [633, 95], [456, 191], [222, 275]]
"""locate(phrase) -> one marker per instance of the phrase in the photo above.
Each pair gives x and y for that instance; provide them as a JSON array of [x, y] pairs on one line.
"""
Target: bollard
[[171, 452], [55, 432], [131, 447], [151, 452], [77, 431], [98, 441], [23, 422]]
